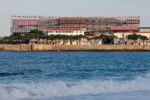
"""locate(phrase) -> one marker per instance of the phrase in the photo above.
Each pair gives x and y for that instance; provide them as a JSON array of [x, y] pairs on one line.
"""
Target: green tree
[[15, 38], [136, 36], [107, 39], [133, 36], [143, 38], [71, 38], [36, 34]]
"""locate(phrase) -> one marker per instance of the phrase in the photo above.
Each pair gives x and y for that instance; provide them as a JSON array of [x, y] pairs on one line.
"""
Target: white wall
[[66, 33], [145, 34], [144, 30]]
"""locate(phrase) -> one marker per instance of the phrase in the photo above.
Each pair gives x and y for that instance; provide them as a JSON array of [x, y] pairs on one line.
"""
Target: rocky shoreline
[[43, 47]]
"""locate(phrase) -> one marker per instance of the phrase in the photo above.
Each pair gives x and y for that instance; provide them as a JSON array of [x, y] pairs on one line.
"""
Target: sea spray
[[64, 88], [74, 76]]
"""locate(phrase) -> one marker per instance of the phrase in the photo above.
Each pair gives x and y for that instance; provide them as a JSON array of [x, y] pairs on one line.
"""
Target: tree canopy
[[136, 36], [16, 38], [107, 39], [36, 34]]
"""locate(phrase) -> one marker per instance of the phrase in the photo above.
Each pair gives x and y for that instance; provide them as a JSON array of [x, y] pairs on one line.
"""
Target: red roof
[[132, 33], [64, 28], [120, 28]]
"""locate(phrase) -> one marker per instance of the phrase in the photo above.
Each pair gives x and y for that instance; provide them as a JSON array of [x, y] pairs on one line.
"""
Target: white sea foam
[[41, 90]]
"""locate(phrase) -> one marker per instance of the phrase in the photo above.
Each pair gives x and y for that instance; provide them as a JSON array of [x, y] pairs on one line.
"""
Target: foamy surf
[[41, 90]]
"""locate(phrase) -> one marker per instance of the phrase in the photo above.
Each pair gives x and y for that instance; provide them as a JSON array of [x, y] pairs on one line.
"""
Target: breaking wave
[[21, 91]]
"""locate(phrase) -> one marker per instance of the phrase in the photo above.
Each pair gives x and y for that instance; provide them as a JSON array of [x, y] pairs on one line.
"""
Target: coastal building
[[24, 24], [145, 29], [66, 31], [124, 35]]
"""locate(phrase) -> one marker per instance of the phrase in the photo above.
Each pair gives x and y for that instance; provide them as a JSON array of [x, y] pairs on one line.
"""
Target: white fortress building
[[66, 31]]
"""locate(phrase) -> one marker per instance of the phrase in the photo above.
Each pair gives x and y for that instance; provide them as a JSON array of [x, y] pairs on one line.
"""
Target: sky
[[72, 8]]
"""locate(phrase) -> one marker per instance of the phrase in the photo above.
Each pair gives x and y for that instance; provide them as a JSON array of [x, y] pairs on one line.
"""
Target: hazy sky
[[72, 8]]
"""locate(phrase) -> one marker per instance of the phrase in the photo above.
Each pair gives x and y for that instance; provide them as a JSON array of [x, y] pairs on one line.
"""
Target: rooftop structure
[[24, 24], [144, 29]]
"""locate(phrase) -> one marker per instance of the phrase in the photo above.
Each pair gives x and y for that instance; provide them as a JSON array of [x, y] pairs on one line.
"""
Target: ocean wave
[[21, 91], [4, 74], [17, 73]]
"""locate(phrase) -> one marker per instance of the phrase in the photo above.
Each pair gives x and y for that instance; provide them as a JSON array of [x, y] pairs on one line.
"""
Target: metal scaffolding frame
[[24, 24]]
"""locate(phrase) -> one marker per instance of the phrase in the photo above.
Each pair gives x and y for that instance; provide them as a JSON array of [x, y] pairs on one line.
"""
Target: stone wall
[[90, 48], [1, 47], [42, 47], [21, 47]]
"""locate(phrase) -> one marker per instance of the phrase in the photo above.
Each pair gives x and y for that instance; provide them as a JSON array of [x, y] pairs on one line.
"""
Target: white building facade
[[144, 29], [124, 35], [66, 31]]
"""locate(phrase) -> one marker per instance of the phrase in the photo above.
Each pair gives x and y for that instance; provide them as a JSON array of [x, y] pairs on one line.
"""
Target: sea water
[[74, 75]]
